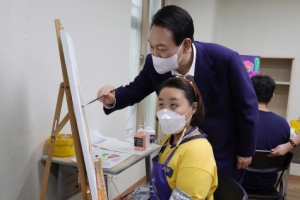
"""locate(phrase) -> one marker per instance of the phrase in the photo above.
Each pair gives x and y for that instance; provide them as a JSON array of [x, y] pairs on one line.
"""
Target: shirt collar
[[191, 72]]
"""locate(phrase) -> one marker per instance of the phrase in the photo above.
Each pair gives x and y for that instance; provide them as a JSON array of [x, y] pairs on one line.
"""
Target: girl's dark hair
[[177, 20], [191, 93]]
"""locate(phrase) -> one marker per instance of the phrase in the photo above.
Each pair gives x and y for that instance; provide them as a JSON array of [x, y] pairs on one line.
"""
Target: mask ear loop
[[180, 58], [180, 139], [182, 135], [178, 52]]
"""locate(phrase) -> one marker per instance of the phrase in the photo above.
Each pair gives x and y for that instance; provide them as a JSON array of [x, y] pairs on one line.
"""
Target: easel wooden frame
[[57, 126]]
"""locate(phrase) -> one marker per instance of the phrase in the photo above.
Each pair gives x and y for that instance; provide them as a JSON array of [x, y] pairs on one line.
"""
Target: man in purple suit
[[231, 105]]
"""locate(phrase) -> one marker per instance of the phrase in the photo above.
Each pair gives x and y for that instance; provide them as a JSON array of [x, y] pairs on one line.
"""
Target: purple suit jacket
[[231, 119]]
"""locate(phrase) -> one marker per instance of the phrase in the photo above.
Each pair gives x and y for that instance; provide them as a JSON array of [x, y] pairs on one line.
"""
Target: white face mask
[[171, 122], [164, 65]]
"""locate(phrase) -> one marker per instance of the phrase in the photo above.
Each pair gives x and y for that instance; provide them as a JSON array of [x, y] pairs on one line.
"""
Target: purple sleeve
[[246, 106]]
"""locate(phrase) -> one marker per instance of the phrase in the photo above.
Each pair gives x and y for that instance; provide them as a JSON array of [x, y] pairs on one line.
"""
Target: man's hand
[[108, 96], [243, 162], [281, 149]]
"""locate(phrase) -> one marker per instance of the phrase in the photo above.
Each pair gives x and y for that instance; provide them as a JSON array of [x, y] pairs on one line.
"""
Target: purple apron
[[159, 187]]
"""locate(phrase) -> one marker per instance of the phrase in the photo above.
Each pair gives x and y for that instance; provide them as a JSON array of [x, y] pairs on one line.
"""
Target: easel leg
[[105, 179], [56, 128]]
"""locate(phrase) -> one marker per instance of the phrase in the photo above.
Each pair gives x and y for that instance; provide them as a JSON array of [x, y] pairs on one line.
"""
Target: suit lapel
[[203, 76]]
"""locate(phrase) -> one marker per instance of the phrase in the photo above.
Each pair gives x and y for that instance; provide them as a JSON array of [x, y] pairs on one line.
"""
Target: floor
[[293, 192]]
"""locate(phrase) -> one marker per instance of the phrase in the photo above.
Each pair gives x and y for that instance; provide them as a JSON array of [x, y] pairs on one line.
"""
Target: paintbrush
[[102, 96]]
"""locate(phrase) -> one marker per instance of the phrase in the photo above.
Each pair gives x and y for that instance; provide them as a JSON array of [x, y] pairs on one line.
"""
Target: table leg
[[60, 184], [148, 167]]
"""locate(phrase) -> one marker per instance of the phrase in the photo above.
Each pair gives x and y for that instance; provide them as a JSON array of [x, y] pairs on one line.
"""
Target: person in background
[[185, 163], [272, 131], [231, 105]]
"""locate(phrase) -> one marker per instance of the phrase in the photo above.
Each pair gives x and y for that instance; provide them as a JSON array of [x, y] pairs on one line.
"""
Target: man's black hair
[[264, 87], [176, 20]]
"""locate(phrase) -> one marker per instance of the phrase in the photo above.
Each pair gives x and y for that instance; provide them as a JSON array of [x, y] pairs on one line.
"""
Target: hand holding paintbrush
[[105, 95]]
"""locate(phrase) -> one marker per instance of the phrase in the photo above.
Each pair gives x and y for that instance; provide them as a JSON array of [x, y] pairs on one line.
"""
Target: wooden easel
[[57, 126]]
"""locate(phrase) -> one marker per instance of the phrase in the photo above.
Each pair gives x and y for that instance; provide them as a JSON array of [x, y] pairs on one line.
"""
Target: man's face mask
[[164, 65]]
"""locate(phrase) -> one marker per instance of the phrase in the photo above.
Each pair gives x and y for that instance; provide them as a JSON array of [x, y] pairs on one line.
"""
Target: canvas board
[[73, 76]]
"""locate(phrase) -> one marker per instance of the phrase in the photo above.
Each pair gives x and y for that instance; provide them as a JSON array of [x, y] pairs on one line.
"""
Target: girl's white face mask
[[171, 122], [164, 65]]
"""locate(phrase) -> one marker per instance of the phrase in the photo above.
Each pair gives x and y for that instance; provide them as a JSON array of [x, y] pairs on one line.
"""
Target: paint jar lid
[[149, 129], [140, 130]]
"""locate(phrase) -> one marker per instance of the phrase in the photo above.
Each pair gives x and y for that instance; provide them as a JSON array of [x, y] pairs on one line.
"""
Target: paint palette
[[109, 158]]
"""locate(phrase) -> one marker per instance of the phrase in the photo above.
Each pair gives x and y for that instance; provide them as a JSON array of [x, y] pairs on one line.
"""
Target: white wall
[[31, 74], [203, 14]]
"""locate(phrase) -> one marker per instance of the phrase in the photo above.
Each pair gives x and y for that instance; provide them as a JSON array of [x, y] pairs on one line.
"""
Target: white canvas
[[71, 64]]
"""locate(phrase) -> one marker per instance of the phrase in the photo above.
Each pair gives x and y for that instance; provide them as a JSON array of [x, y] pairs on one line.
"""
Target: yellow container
[[295, 124], [63, 146]]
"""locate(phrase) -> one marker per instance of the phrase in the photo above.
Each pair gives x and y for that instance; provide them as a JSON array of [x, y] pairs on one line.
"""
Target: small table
[[67, 167]]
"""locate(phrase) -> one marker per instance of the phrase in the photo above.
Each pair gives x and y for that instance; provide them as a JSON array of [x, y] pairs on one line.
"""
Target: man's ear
[[187, 44]]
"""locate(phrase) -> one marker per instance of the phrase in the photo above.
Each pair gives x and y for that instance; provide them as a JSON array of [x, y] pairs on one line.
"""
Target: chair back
[[229, 189], [261, 163]]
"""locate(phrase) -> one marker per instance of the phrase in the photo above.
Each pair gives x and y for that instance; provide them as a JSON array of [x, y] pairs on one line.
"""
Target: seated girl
[[185, 161], [185, 167]]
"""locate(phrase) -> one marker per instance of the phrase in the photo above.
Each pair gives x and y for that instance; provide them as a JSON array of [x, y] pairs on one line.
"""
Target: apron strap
[[182, 142], [202, 135], [162, 149]]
